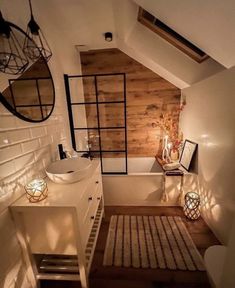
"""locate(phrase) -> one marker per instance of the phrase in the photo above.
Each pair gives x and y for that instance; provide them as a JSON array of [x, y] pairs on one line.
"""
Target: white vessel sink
[[68, 170]]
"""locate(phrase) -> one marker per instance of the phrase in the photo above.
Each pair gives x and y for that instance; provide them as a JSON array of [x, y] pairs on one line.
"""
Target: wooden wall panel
[[148, 96]]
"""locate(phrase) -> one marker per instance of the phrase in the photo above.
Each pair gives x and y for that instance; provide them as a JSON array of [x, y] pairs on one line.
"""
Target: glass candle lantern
[[36, 190], [192, 205]]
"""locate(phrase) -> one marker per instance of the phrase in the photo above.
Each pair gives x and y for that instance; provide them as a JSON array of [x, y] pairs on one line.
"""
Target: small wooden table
[[176, 172]]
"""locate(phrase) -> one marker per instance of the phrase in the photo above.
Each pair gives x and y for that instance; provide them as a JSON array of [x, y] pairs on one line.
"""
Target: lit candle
[[36, 190], [169, 145], [192, 205]]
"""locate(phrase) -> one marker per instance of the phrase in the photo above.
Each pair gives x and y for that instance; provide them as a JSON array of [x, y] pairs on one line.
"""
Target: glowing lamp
[[192, 205], [36, 190]]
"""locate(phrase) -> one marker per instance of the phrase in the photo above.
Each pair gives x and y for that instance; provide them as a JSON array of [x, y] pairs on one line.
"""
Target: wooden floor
[[113, 277]]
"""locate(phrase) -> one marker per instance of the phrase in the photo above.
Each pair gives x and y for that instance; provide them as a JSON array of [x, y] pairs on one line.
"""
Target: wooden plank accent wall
[[148, 96]]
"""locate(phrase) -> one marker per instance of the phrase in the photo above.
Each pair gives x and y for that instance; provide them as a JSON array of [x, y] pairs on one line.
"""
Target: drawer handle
[[92, 217], [98, 198], [97, 182], [90, 198]]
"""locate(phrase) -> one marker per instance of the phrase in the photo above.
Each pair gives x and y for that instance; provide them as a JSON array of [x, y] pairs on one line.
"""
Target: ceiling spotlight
[[108, 36]]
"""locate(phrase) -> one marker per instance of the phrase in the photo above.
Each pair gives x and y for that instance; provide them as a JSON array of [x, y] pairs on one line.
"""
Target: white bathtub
[[141, 165], [143, 186]]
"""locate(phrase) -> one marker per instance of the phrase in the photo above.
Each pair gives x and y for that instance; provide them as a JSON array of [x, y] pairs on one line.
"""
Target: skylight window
[[154, 24]]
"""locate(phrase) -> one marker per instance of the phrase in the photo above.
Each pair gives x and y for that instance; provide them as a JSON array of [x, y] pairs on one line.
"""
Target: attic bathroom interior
[[117, 143]]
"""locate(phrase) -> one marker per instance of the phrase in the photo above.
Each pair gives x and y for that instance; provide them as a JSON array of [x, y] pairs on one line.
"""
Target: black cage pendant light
[[34, 32], [12, 58]]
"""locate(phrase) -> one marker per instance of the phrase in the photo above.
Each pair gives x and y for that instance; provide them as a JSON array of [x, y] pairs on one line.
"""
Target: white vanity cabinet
[[58, 235]]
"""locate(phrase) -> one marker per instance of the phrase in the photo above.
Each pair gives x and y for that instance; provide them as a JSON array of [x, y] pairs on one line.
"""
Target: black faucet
[[87, 155], [61, 152]]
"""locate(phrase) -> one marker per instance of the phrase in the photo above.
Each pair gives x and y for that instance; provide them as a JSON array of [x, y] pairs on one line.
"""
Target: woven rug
[[151, 242]]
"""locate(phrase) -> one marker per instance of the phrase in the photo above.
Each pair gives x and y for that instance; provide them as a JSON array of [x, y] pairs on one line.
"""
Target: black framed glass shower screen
[[97, 116]]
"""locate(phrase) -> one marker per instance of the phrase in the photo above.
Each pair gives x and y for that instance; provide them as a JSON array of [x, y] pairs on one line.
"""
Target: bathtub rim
[[136, 174]]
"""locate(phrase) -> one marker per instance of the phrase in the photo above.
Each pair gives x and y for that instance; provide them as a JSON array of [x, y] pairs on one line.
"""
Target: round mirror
[[30, 95]]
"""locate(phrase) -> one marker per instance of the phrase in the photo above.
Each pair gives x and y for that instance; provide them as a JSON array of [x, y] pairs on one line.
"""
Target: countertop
[[60, 195]]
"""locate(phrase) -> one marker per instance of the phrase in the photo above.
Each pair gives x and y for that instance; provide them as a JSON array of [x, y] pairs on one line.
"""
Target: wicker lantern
[[36, 190], [192, 205]]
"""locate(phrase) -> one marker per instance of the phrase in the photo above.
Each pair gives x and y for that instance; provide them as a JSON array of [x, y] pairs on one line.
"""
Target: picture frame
[[187, 154]]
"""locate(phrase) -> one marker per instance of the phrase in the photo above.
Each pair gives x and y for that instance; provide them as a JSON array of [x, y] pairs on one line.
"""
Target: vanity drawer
[[89, 218], [86, 200], [98, 194]]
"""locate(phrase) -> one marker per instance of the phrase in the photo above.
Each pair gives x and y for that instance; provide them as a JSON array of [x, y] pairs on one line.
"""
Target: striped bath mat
[[151, 242]]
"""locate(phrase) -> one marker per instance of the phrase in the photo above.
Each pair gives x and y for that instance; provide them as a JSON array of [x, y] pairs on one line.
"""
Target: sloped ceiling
[[153, 51], [82, 22], [209, 24]]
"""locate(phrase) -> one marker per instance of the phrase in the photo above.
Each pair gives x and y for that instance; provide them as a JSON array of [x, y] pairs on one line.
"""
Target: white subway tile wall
[[26, 149]]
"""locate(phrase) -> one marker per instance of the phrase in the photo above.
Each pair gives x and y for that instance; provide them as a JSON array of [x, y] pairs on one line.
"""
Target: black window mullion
[[101, 102], [70, 112], [104, 151], [98, 128], [29, 79], [92, 75], [125, 118], [39, 97], [12, 94], [33, 105], [98, 122]]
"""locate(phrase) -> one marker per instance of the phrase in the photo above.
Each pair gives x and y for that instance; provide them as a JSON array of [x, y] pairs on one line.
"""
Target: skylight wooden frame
[[171, 36]]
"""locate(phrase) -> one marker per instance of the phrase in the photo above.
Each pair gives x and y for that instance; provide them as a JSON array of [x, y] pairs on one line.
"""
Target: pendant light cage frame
[[12, 58], [14, 55], [34, 32]]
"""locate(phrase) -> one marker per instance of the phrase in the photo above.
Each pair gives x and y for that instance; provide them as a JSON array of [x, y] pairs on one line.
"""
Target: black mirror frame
[[5, 102]]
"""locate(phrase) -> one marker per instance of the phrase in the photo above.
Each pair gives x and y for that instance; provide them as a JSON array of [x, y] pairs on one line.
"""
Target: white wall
[[27, 148], [207, 24], [155, 48], [228, 279], [153, 51], [208, 119]]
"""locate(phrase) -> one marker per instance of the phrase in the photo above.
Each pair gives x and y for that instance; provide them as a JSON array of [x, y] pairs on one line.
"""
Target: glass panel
[[23, 90], [45, 89], [82, 89], [93, 140], [111, 115], [89, 89], [85, 116], [30, 112], [46, 110], [110, 88], [81, 139], [112, 139], [113, 162], [87, 140], [31, 89], [8, 96], [95, 154]]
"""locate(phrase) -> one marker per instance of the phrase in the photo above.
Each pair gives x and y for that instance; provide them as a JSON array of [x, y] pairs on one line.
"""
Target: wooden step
[[59, 264]]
